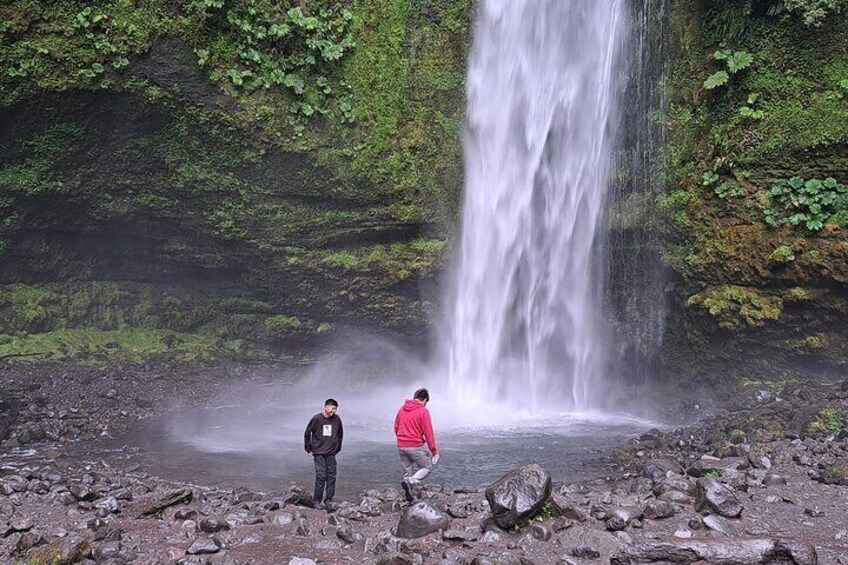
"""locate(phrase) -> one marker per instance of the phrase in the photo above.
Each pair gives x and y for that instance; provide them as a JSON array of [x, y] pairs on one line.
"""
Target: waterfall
[[526, 315]]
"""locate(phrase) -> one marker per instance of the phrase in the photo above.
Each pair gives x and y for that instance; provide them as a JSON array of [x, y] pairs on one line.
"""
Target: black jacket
[[323, 436]]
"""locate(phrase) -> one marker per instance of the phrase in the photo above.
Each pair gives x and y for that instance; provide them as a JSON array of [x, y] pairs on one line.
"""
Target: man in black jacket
[[322, 441]]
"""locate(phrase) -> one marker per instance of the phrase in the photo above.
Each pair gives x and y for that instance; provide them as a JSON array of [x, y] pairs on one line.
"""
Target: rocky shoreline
[[762, 484]]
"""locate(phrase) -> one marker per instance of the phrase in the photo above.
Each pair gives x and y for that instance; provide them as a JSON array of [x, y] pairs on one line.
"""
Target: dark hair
[[331, 402], [421, 394]]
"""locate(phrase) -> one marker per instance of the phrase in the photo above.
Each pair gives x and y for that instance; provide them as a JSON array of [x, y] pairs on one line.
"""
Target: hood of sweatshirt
[[412, 405]]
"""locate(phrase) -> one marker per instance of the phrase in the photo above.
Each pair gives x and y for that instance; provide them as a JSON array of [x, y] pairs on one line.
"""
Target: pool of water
[[246, 446]]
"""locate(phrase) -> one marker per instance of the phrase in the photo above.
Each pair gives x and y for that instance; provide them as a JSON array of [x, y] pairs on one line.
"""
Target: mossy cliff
[[219, 178], [756, 208]]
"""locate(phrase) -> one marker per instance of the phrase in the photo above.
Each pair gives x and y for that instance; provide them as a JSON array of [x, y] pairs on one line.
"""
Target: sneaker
[[407, 490], [318, 505], [330, 506]]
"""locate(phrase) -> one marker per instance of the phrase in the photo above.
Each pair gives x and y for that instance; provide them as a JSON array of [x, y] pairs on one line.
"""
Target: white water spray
[[526, 319]]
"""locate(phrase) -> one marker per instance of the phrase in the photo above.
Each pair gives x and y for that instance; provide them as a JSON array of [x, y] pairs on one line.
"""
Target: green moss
[[797, 294], [33, 175], [94, 345], [828, 420], [342, 259], [397, 260], [70, 44], [810, 344], [782, 255], [378, 74], [732, 305], [835, 475], [281, 321], [427, 245]]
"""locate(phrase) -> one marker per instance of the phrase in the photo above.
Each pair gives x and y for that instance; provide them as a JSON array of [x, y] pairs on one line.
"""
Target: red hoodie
[[413, 426]]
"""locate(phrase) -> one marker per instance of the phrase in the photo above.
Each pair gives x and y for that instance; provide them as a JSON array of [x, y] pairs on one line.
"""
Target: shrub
[[810, 203]]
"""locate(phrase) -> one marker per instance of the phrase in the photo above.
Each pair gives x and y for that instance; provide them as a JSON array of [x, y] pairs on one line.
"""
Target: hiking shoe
[[318, 505], [407, 490]]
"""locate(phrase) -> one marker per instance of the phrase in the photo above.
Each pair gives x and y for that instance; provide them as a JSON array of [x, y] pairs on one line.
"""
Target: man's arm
[[429, 436], [307, 435], [341, 435]]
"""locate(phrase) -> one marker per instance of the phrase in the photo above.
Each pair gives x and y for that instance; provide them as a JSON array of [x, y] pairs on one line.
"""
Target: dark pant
[[325, 473]]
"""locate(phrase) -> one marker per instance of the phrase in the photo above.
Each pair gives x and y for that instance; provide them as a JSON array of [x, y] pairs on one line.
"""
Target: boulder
[[64, 551], [420, 519], [519, 495], [205, 547], [153, 505], [712, 496], [717, 552], [658, 509], [709, 465]]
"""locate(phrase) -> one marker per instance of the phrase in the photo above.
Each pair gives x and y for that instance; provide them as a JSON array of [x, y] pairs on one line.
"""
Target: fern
[[716, 79]]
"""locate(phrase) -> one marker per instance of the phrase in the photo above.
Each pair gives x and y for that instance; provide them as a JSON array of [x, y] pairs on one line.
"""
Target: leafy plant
[[812, 12], [782, 255], [257, 44], [729, 188], [828, 420], [728, 20], [748, 111], [811, 203], [735, 61]]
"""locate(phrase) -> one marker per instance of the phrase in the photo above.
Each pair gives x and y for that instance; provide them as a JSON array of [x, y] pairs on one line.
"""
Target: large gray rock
[[717, 552], [519, 495], [712, 496], [71, 549], [420, 519], [205, 547], [150, 506], [658, 509], [708, 465]]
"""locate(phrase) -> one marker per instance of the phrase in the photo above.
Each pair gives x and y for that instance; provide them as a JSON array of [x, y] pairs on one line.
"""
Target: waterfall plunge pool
[[239, 446]]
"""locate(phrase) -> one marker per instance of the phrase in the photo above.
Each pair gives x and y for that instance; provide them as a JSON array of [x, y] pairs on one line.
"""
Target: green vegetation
[[732, 305], [100, 321], [812, 203], [69, 44], [782, 255], [400, 260], [828, 421], [34, 174], [735, 61], [261, 44], [812, 12], [93, 345]]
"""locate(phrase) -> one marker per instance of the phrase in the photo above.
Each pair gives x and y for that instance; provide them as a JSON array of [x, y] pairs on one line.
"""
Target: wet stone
[[213, 524], [585, 552], [541, 532], [205, 546], [303, 527]]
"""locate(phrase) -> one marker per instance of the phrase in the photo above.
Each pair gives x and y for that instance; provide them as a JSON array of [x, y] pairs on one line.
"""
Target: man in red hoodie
[[413, 428]]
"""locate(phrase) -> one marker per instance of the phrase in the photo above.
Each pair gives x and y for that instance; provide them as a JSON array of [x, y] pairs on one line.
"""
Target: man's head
[[330, 407], [422, 395]]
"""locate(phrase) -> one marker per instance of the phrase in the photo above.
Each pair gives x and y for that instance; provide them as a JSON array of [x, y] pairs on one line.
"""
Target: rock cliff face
[[162, 200], [757, 96]]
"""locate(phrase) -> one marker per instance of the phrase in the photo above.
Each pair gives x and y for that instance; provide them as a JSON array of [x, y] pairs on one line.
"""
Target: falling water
[[526, 321]]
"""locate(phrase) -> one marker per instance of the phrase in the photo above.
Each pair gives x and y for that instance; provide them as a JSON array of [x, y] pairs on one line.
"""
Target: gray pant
[[412, 458]]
